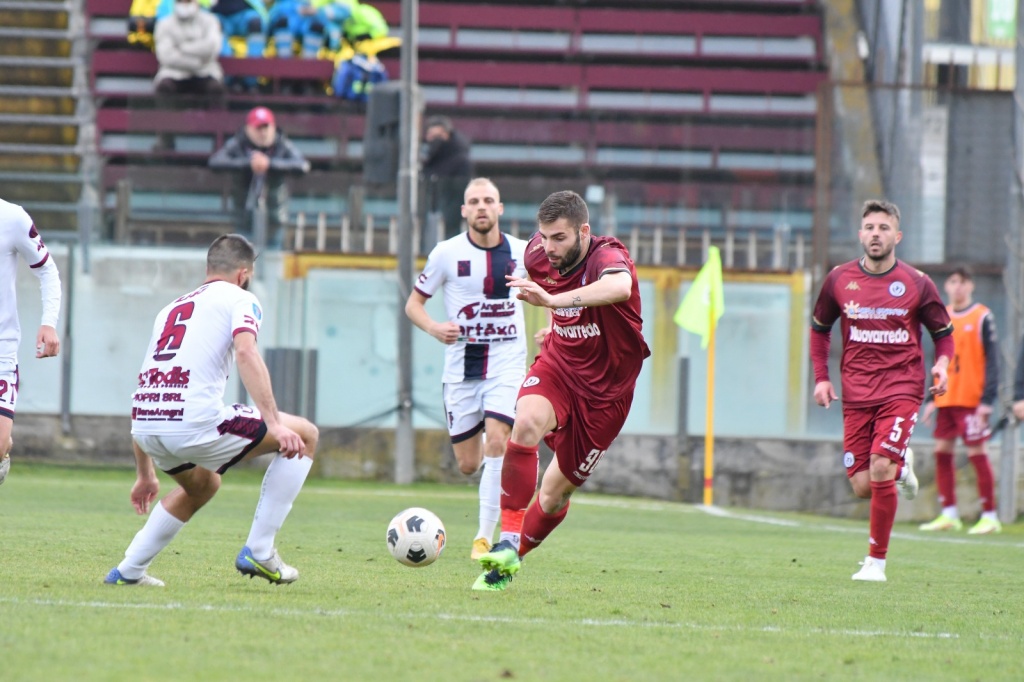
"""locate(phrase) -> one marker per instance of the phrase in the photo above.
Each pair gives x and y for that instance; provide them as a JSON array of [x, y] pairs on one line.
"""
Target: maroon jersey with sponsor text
[[599, 349], [881, 326]]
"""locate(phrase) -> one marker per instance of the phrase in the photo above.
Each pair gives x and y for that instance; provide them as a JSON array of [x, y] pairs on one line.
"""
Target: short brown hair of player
[[566, 204], [229, 252], [880, 206], [964, 272]]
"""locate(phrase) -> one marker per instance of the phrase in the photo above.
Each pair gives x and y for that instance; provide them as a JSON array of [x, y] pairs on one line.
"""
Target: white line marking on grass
[[755, 518], [472, 618], [724, 513]]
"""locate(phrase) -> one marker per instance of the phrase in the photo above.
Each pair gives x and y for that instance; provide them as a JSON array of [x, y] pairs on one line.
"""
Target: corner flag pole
[[698, 312], [709, 414]]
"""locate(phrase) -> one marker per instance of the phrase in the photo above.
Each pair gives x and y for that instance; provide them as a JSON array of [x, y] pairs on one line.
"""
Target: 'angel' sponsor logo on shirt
[[568, 312], [855, 311], [500, 308]]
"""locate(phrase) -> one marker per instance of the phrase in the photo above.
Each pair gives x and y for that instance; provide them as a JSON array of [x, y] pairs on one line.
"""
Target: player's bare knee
[[207, 488], [882, 469], [311, 438], [467, 457], [529, 429], [497, 440], [495, 449]]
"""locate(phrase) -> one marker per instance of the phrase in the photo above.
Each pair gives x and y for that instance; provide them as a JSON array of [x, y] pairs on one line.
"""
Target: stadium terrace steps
[[700, 104], [41, 113]]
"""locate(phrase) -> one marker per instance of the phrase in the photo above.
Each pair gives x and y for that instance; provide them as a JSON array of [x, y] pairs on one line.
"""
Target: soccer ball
[[416, 537]]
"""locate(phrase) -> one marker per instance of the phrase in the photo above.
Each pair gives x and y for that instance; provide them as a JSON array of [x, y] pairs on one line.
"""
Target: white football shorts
[[467, 403], [240, 430]]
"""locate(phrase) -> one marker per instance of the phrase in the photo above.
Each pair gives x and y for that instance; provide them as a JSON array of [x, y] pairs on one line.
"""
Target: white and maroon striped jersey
[[185, 371], [492, 341], [18, 236]]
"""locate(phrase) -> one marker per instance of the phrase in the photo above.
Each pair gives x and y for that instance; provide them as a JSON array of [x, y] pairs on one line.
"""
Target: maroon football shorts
[[586, 427], [880, 430], [952, 422]]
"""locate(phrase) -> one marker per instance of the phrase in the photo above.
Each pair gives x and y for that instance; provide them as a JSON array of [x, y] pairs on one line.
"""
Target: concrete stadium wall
[[775, 475]]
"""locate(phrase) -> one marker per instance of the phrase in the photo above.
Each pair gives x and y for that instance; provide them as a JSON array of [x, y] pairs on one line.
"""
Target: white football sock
[[158, 532], [281, 485], [951, 512], [513, 539], [490, 497]]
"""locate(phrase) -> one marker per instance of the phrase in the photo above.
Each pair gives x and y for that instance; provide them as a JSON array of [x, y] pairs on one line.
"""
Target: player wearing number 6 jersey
[[181, 424], [577, 394], [485, 342], [882, 304], [19, 237]]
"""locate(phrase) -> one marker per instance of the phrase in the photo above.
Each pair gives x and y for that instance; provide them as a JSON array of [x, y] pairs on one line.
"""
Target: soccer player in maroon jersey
[[882, 303], [577, 394]]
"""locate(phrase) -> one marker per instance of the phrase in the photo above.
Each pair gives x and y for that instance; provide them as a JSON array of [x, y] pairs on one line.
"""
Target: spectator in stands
[[141, 22], [260, 155], [313, 25], [447, 170], [354, 78], [187, 44], [365, 23], [243, 19], [246, 19]]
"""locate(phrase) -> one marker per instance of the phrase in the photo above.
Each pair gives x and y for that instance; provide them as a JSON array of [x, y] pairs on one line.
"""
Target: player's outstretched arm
[[416, 311], [613, 287], [256, 379], [47, 341]]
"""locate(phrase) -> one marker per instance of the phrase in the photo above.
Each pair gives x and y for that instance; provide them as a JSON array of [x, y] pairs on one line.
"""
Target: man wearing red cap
[[260, 156]]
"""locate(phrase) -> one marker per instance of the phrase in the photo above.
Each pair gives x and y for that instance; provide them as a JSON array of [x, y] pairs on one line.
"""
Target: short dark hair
[[964, 272], [880, 206], [229, 252], [566, 204], [439, 121]]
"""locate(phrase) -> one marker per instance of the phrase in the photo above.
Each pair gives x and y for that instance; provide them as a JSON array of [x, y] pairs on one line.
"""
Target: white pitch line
[[473, 618], [769, 520]]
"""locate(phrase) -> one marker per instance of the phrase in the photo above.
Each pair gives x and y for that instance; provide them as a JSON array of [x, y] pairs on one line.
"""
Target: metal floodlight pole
[[408, 175]]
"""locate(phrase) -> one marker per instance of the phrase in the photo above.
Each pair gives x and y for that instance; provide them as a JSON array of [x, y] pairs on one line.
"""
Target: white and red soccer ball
[[416, 537]]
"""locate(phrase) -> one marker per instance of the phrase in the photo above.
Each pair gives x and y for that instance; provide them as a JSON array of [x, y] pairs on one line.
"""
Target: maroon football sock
[[883, 513], [518, 483], [986, 492], [537, 525], [945, 478]]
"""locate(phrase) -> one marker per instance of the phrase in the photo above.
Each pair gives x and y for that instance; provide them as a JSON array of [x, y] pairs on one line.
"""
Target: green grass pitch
[[625, 589]]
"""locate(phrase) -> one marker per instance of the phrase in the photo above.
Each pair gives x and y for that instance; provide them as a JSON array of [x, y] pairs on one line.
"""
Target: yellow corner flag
[[704, 299]]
